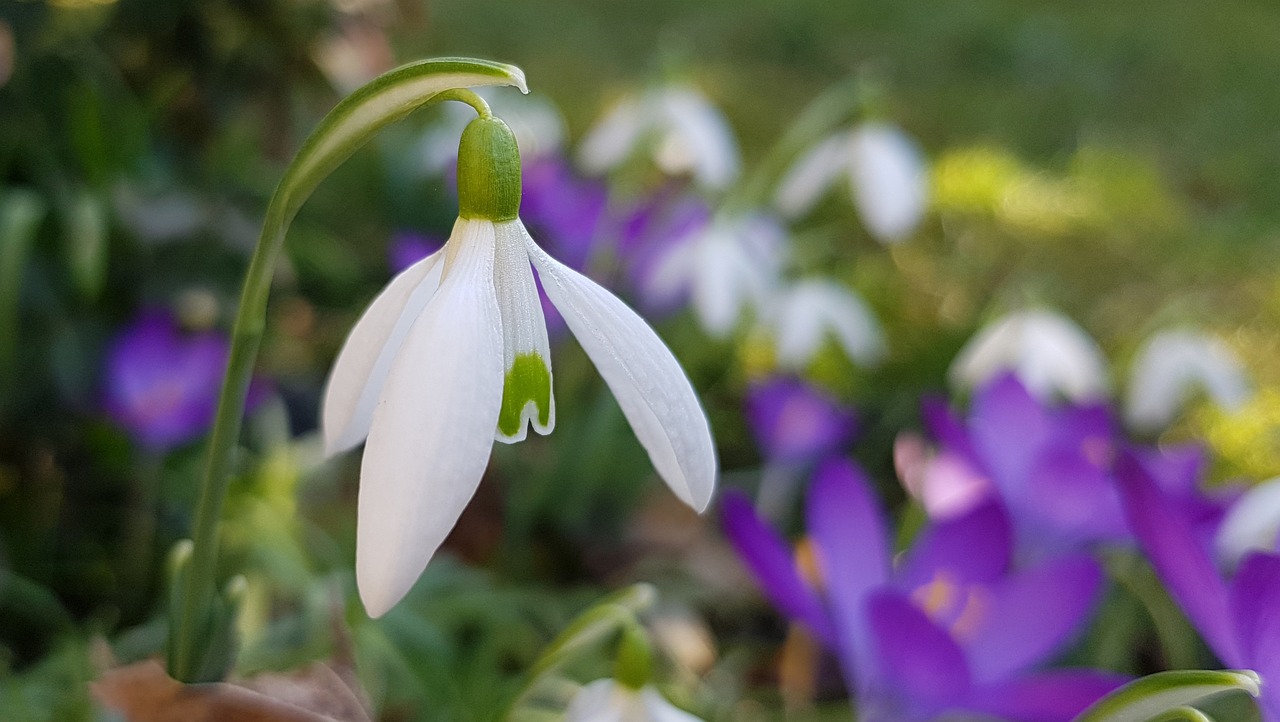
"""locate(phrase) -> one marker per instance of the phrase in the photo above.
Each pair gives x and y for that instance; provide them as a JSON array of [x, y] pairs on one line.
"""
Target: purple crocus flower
[[795, 422], [563, 211], [161, 385], [655, 228], [1050, 465], [1240, 618], [949, 628]]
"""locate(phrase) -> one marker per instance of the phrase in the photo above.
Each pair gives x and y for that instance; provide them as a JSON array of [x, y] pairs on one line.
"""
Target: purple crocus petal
[[1255, 604], [973, 548], [1008, 427], [408, 247], [950, 487], [162, 386], [795, 422], [918, 660], [1070, 499], [1057, 696], [852, 542], [1175, 469], [947, 430], [769, 559], [562, 211], [1182, 563], [1030, 615], [649, 236]]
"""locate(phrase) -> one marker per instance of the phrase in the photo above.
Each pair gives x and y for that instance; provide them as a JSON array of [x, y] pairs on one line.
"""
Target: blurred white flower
[[607, 700], [1049, 353], [1252, 522], [676, 125], [725, 267], [801, 317], [357, 53], [886, 173], [1171, 367], [538, 124]]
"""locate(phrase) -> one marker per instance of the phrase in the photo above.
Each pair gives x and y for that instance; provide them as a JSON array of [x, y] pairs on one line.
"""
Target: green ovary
[[528, 379]]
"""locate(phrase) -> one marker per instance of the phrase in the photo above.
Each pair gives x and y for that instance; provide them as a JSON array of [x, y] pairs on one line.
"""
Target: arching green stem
[[355, 120]]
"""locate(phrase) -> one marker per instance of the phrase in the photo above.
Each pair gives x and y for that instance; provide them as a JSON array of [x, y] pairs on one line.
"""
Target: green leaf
[[21, 212], [1157, 696], [85, 243]]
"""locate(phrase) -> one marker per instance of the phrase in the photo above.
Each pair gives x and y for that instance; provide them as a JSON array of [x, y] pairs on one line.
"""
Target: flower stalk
[[355, 120]]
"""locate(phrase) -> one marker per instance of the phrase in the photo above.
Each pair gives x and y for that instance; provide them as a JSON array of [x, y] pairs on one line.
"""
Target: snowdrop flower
[[886, 174], [607, 700], [454, 353], [725, 266], [1049, 353], [688, 136], [1252, 522], [803, 315], [1171, 366], [538, 125]]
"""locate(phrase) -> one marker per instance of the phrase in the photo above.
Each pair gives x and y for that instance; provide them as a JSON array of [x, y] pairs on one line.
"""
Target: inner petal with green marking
[[526, 395]]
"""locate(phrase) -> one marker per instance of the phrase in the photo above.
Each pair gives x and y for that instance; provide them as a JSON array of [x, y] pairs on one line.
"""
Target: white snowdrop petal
[[527, 395], [698, 131], [890, 186], [600, 701], [614, 138], [1171, 367], [658, 709], [812, 175], [811, 310], [722, 279], [655, 395], [1049, 353], [1253, 522], [362, 365], [432, 431]]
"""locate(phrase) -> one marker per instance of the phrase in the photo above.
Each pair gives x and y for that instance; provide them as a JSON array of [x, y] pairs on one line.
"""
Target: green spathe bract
[[488, 171], [384, 100], [528, 381]]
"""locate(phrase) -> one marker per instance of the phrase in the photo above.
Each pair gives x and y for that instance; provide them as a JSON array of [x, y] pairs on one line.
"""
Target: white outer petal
[[433, 429], [1253, 522], [1169, 368], [810, 177], [811, 309], [655, 395], [735, 264], [698, 139], [361, 369], [603, 700], [615, 137], [658, 709], [524, 328], [1049, 353], [890, 186]]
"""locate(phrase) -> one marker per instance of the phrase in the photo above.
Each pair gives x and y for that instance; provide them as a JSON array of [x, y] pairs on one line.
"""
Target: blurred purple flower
[[1050, 465], [161, 384], [1238, 619], [409, 247], [561, 210], [949, 628], [649, 233], [795, 422]]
